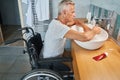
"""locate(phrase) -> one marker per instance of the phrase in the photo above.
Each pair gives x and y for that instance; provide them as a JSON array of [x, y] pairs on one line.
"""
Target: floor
[[11, 32], [13, 63]]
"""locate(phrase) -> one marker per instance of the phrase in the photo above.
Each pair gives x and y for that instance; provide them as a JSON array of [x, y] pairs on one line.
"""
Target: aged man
[[59, 29]]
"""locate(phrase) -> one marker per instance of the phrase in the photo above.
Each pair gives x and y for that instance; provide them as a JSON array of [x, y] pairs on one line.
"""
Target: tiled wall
[[116, 33], [108, 4], [112, 5], [107, 19]]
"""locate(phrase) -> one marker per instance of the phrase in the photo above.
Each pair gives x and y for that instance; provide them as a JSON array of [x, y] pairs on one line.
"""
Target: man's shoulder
[[55, 22]]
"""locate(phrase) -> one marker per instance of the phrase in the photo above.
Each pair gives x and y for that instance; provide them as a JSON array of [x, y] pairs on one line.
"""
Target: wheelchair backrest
[[36, 40]]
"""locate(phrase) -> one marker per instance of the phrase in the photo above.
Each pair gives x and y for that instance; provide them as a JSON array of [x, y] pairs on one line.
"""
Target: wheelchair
[[42, 68]]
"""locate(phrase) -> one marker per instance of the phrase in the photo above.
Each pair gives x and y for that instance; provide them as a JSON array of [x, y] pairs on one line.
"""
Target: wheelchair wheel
[[41, 74]]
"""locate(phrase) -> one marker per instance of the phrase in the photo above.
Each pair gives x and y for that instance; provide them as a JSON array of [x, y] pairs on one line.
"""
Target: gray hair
[[63, 5]]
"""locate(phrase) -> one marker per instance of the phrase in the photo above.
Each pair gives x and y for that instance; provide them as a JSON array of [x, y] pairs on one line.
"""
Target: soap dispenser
[[93, 21], [88, 17]]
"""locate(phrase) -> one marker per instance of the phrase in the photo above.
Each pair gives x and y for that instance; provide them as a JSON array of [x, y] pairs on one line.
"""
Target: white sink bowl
[[96, 42]]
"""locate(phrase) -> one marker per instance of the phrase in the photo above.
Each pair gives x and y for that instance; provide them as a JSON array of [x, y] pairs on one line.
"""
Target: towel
[[25, 1], [29, 21], [42, 9]]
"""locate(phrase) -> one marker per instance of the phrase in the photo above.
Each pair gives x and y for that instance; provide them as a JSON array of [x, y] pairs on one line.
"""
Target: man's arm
[[78, 22], [82, 36]]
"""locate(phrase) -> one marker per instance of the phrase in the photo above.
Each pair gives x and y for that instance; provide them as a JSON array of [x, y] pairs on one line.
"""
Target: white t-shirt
[[54, 39]]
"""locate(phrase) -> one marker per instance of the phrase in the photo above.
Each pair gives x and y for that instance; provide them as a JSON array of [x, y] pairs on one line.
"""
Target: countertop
[[86, 68]]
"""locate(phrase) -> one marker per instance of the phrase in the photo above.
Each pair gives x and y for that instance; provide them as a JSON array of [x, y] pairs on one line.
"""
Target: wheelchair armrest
[[56, 59]]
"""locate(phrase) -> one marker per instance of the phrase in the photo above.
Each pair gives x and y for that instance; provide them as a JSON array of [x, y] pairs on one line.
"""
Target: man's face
[[70, 13]]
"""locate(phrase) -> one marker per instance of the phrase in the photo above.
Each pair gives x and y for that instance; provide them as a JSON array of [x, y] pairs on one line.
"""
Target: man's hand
[[71, 23], [96, 30], [80, 23]]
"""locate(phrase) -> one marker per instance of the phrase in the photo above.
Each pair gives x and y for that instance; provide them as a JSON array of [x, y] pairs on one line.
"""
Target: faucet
[[103, 22]]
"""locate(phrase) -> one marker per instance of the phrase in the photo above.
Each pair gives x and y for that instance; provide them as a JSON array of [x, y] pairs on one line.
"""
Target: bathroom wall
[[116, 32], [108, 4], [9, 12], [81, 7], [107, 19]]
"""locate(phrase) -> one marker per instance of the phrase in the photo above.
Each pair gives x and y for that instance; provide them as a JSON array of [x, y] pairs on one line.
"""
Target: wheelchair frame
[[37, 64]]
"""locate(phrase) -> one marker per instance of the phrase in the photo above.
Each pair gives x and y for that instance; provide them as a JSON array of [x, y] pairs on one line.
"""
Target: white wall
[[81, 7]]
